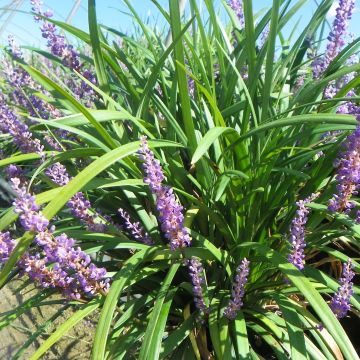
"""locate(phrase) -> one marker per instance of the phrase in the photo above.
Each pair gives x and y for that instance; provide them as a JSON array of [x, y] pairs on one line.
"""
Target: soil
[[76, 345]]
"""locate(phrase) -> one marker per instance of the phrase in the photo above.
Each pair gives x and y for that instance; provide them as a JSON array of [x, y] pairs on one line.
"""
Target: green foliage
[[239, 152]]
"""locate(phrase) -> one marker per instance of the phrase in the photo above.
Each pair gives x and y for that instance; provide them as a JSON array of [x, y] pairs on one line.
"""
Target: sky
[[114, 13]]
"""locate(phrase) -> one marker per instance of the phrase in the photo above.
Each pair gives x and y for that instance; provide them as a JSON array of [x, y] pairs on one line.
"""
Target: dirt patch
[[74, 346]]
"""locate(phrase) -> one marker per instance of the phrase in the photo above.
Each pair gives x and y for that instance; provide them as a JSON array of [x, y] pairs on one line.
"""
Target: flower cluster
[[55, 42], [14, 48], [336, 37], [20, 80], [170, 211], [7, 245], [237, 7], [11, 125], [238, 291], [70, 57], [30, 217], [171, 219], [72, 271], [340, 303], [80, 208], [348, 174], [81, 275], [339, 29], [196, 272], [24, 139], [58, 174], [135, 229], [297, 233]]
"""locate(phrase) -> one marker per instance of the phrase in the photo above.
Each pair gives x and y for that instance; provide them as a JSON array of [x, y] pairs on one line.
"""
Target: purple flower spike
[[336, 37], [171, 216], [154, 175], [14, 48], [58, 174], [197, 279], [237, 7], [339, 28], [348, 174], [86, 277], [14, 171], [136, 230], [11, 125], [297, 233], [31, 218], [238, 291], [340, 303], [7, 245], [69, 56]]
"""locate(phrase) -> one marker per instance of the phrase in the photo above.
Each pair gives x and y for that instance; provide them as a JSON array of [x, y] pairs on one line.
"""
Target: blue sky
[[113, 13]]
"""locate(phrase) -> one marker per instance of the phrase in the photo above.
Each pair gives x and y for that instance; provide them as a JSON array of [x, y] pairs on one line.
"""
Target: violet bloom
[[340, 303], [73, 270], [58, 174], [10, 124], [336, 37], [29, 212], [70, 57], [237, 7], [7, 245], [264, 35], [85, 277], [197, 279], [80, 208], [14, 171], [14, 48], [348, 174], [36, 268], [135, 229], [171, 216], [297, 233], [78, 204], [19, 79], [238, 290], [339, 28]]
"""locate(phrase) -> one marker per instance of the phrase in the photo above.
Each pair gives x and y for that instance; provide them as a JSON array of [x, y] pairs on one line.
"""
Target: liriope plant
[[194, 192]]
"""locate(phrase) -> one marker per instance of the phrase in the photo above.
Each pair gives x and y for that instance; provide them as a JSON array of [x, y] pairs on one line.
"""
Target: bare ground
[[76, 345]]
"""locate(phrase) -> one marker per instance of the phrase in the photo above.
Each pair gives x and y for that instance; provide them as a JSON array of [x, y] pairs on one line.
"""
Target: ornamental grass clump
[[191, 190]]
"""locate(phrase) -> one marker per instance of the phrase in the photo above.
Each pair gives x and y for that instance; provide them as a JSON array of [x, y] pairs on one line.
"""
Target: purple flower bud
[[238, 290], [196, 272], [14, 48], [31, 218], [340, 303], [69, 56], [7, 245], [336, 37], [297, 232], [171, 216], [348, 174], [10, 124], [58, 174], [237, 7], [135, 229], [14, 171]]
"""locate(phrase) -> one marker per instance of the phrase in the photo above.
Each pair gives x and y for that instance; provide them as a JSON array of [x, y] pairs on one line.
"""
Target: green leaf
[[150, 349], [294, 328], [107, 312], [177, 337], [210, 137], [96, 48], [52, 86]]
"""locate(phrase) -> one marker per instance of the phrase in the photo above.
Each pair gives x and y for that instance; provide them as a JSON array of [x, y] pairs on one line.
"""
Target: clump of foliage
[[196, 190]]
